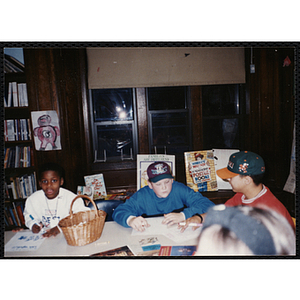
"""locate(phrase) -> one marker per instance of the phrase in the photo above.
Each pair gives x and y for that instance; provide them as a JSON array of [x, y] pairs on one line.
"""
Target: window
[[169, 120], [170, 125], [113, 124], [223, 116]]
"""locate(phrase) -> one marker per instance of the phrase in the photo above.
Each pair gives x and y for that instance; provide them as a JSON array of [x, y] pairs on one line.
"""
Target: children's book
[[147, 246], [85, 190], [177, 250], [200, 170], [144, 160], [97, 183], [121, 251]]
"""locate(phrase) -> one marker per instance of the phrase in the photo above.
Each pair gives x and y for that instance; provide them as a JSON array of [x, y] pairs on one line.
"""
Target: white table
[[113, 236]]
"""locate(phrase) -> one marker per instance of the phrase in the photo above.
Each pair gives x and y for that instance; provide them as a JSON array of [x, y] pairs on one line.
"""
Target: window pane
[[221, 133], [163, 98], [112, 104], [220, 100], [170, 130], [114, 141]]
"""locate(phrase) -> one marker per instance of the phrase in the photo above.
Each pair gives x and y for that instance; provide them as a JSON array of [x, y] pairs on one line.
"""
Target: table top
[[113, 236]]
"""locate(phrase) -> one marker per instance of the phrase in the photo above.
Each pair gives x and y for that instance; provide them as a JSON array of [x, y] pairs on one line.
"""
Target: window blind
[[116, 67]]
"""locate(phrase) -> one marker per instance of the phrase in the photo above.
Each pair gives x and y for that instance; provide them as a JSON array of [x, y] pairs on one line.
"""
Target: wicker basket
[[83, 227]]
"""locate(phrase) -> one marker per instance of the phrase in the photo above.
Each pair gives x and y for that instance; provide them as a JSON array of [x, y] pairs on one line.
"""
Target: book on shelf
[[16, 214], [12, 65], [9, 95], [17, 95], [97, 182], [17, 130], [13, 214], [20, 187], [9, 130], [200, 170], [18, 157], [8, 219]]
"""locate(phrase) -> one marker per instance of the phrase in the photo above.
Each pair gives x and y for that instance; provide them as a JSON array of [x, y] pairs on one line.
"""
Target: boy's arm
[[125, 210], [196, 203], [30, 215]]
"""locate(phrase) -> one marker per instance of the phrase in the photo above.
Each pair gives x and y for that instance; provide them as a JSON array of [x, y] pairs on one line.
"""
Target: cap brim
[[160, 177], [225, 173]]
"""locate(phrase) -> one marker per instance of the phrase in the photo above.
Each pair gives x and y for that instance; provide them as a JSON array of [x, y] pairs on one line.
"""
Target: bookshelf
[[19, 167]]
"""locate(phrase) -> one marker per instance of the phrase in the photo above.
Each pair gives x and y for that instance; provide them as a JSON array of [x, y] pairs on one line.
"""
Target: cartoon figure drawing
[[46, 133]]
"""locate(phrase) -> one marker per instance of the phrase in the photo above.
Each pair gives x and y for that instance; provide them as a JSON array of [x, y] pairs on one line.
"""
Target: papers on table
[[24, 241], [172, 232]]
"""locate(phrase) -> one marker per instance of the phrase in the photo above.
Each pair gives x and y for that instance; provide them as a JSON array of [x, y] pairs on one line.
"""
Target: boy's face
[[162, 188], [50, 183], [238, 183]]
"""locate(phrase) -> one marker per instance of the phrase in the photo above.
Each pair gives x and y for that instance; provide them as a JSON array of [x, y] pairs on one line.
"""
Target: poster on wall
[[144, 160], [46, 130]]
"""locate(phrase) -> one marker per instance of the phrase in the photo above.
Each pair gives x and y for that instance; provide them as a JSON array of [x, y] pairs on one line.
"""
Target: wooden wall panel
[[54, 83], [271, 118]]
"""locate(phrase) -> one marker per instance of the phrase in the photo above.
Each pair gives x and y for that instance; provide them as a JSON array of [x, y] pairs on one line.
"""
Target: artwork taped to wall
[[144, 160], [46, 130]]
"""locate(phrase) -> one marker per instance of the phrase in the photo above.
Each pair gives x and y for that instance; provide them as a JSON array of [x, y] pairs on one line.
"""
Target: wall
[[270, 91], [57, 81]]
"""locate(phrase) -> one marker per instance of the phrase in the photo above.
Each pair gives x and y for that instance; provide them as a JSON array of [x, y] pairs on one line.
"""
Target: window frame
[[94, 124], [187, 109], [242, 111]]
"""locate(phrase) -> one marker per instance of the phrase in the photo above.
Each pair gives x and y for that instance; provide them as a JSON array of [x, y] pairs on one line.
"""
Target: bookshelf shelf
[[19, 166]]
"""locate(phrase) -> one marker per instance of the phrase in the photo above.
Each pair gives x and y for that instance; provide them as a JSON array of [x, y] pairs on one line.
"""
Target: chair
[[107, 205]]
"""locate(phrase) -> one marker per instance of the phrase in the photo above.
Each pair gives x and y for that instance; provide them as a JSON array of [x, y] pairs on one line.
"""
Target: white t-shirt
[[38, 208]]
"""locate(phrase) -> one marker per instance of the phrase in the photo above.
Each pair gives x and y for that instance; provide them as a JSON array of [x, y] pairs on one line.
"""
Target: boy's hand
[[17, 229], [193, 219], [173, 218], [51, 232], [138, 223], [36, 228]]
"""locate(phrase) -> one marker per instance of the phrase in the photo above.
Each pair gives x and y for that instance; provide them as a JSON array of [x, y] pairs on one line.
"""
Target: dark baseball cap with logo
[[242, 163], [159, 170]]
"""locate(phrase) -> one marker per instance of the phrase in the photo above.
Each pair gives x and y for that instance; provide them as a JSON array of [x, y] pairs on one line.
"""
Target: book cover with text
[[200, 170], [97, 183]]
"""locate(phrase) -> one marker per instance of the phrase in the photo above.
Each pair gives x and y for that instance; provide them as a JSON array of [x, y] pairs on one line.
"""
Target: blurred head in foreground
[[245, 230]]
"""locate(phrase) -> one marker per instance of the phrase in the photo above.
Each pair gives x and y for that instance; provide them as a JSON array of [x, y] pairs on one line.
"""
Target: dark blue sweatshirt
[[145, 201]]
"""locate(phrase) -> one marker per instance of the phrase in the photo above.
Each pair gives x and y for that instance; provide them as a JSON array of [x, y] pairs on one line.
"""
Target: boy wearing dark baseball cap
[[244, 172], [162, 196]]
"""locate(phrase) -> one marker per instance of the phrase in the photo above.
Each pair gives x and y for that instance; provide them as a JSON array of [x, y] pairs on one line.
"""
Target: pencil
[[191, 224]]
